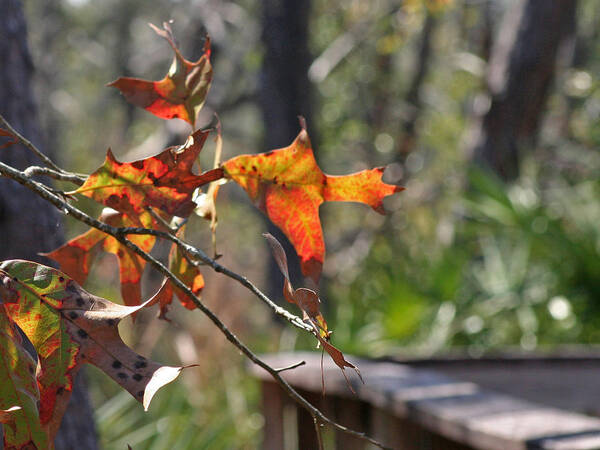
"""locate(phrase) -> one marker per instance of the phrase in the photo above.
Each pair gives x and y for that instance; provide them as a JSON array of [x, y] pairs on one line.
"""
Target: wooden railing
[[406, 406]]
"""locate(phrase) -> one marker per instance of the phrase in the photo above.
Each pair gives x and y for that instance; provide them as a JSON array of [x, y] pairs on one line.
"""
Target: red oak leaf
[[164, 181], [186, 272], [288, 186], [180, 94], [76, 256]]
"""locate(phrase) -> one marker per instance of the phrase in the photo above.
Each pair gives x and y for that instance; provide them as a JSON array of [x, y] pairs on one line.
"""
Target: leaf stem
[[160, 220]]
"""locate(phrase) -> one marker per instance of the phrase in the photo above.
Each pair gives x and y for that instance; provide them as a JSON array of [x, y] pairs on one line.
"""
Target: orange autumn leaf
[[68, 327], [188, 273], [164, 181], [288, 186], [76, 256], [181, 93]]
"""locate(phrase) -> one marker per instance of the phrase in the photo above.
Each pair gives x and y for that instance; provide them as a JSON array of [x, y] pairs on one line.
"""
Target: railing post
[[272, 408], [353, 414], [307, 435], [408, 408]]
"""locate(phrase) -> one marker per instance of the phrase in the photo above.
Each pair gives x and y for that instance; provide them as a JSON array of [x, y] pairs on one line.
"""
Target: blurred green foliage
[[216, 417], [462, 259]]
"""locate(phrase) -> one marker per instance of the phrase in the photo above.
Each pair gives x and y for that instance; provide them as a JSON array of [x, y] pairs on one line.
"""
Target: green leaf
[[19, 394]]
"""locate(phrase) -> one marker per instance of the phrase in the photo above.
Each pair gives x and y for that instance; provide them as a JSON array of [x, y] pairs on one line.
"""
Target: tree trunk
[[284, 94], [284, 85], [28, 224], [520, 73], [408, 135]]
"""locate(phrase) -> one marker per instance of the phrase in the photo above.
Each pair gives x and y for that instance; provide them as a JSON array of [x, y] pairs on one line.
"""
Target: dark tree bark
[[485, 46], [28, 224], [284, 93], [284, 84], [413, 94], [520, 74]]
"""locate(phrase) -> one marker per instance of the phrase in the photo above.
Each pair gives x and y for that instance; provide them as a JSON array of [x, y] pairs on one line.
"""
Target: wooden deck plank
[[458, 410]]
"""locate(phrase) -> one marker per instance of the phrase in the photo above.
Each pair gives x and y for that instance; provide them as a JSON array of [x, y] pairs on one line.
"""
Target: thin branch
[[199, 254], [120, 235], [195, 253], [290, 367], [160, 220], [7, 126], [318, 431], [336, 52], [63, 176], [342, 45]]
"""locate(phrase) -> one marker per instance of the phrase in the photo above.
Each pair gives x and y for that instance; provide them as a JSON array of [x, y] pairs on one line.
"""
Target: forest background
[[486, 114]]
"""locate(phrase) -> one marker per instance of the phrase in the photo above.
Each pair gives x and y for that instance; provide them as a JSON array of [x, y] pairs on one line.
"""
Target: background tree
[[284, 89], [512, 262], [519, 78], [26, 231]]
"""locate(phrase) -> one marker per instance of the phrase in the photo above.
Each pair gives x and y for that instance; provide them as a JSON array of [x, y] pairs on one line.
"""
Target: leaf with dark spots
[[140, 364], [42, 312], [76, 256], [288, 185], [19, 393], [180, 94], [188, 273], [164, 181]]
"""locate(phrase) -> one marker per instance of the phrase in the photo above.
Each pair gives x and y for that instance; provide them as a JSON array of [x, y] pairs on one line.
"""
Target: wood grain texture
[[415, 408]]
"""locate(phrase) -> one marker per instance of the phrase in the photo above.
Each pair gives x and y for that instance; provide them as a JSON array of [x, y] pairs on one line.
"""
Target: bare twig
[[199, 254], [322, 66], [63, 176], [7, 126], [342, 45], [160, 220], [318, 431], [120, 234], [290, 367], [57, 199]]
